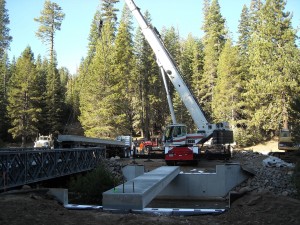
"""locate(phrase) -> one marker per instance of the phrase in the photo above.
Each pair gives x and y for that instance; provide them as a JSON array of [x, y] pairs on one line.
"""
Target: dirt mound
[[40, 208]]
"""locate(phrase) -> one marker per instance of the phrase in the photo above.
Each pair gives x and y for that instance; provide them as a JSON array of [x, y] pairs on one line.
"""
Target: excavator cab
[[286, 141]]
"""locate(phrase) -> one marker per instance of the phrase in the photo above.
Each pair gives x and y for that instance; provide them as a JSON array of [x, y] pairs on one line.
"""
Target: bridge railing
[[25, 166]]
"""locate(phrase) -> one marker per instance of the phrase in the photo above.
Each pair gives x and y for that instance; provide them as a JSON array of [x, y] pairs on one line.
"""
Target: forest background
[[118, 89]]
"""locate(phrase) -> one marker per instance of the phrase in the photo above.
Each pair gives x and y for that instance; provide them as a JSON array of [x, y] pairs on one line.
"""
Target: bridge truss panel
[[25, 166]]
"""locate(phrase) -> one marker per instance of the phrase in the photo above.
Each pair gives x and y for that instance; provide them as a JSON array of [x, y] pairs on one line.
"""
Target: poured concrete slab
[[140, 191]]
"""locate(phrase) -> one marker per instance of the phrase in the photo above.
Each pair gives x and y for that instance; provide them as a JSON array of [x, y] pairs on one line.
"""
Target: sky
[[72, 40]]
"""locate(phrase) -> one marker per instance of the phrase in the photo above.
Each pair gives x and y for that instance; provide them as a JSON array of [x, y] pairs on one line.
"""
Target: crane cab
[[175, 135]]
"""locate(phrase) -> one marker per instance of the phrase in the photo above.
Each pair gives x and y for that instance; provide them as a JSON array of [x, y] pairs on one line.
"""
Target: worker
[[142, 147]]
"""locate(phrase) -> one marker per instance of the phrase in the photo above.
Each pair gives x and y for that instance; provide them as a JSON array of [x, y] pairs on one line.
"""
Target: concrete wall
[[205, 185]]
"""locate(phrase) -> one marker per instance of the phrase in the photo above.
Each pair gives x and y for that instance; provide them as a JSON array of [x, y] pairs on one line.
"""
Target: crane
[[180, 146]]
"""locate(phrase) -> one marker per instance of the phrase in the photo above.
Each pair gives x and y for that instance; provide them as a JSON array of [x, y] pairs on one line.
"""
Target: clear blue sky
[[71, 42]]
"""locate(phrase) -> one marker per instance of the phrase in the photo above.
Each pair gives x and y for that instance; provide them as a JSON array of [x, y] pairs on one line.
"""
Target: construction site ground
[[37, 207]]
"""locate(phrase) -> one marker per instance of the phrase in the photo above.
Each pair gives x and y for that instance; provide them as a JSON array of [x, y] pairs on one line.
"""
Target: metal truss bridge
[[25, 166]]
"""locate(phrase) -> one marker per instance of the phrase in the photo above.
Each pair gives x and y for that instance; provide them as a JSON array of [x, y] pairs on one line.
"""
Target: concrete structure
[[140, 191], [205, 185], [132, 171], [60, 194]]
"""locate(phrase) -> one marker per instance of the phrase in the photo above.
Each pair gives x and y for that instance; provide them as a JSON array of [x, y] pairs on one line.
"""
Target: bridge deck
[[139, 192]]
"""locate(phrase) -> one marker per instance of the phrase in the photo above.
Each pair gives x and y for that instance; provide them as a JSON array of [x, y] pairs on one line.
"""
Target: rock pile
[[277, 180], [115, 168]]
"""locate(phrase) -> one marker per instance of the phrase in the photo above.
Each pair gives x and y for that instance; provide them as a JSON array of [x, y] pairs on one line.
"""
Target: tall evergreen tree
[[5, 38], [213, 41], [274, 69], [50, 21], [42, 69], [54, 99], [245, 30], [23, 98], [96, 105], [4, 78], [95, 32], [191, 67], [109, 11], [148, 73], [123, 84], [227, 89]]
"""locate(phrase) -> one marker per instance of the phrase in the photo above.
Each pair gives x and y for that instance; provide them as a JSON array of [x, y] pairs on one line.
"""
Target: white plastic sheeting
[[273, 161]]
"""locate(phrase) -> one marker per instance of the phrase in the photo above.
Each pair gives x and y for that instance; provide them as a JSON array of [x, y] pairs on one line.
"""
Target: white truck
[[44, 141], [180, 146], [128, 144]]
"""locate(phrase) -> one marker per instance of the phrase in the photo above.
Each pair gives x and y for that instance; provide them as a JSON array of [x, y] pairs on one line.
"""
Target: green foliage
[[4, 78], [23, 98], [294, 114], [226, 90], [213, 41], [150, 98], [273, 69], [91, 185], [54, 100], [96, 93], [50, 21], [119, 90], [5, 38]]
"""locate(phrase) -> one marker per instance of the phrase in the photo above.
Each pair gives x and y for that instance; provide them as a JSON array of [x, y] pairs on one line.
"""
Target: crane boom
[[165, 60]]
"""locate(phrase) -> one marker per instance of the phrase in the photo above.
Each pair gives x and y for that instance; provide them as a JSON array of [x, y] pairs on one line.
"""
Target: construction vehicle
[[154, 145], [44, 141], [128, 145], [178, 144], [286, 141]]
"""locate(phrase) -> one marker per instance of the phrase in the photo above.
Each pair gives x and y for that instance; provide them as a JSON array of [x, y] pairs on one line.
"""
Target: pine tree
[[42, 68], [54, 99], [227, 89], [96, 105], [95, 32], [213, 41], [123, 84], [245, 29], [109, 11], [5, 38], [4, 79], [23, 98], [273, 68], [191, 67], [148, 73], [50, 21]]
